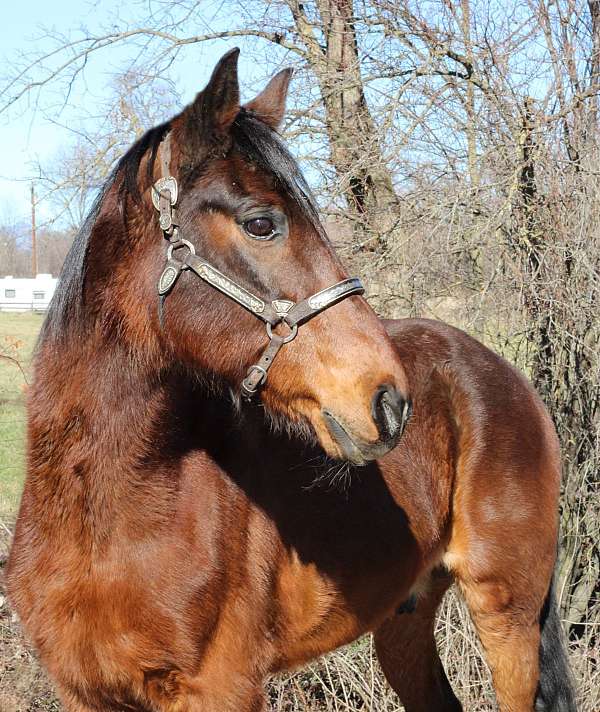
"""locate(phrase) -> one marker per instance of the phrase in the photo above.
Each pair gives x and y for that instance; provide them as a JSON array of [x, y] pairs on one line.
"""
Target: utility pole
[[34, 266]]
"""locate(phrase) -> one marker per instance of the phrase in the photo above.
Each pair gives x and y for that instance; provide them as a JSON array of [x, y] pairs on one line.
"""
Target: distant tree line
[[15, 250]]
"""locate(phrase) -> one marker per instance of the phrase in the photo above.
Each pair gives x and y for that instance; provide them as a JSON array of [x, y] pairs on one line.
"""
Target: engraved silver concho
[[167, 279], [327, 295], [282, 306], [219, 280]]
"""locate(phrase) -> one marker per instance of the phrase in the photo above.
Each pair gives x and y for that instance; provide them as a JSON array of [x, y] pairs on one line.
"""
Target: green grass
[[24, 686], [18, 334]]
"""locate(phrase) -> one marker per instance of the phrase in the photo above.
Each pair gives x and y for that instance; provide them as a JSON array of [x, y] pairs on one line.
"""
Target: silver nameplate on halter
[[332, 294], [230, 288]]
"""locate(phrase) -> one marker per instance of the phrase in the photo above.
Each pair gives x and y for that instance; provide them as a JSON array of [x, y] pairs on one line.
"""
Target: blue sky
[[26, 133], [28, 136]]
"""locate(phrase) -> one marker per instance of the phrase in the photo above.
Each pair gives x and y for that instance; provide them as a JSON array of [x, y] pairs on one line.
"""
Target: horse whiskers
[[337, 476]]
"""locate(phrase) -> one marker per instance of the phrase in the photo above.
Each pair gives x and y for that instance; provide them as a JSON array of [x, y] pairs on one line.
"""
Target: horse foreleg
[[408, 654]]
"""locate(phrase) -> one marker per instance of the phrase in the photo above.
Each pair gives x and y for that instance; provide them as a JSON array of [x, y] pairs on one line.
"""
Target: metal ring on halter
[[285, 339], [177, 245]]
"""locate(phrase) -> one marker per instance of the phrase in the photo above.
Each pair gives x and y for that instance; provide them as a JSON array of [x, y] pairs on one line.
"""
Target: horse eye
[[261, 228]]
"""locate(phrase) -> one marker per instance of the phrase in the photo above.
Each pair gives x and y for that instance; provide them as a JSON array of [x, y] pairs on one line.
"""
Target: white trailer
[[26, 294]]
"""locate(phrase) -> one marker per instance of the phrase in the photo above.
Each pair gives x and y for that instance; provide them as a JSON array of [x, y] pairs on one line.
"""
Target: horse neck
[[100, 422]]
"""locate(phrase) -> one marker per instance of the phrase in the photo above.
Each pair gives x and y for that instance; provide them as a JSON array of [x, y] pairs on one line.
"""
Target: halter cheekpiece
[[165, 194]]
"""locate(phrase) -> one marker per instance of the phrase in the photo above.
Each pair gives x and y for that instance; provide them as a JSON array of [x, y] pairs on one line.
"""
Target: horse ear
[[215, 108], [269, 105]]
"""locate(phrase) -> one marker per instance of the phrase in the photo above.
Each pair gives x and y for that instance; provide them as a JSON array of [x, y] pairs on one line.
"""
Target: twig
[[16, 361]]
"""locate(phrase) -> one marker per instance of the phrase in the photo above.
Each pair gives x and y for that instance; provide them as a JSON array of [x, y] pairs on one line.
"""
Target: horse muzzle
[[390, 413]]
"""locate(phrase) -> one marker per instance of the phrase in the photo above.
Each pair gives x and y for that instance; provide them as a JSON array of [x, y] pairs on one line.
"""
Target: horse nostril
[[390, 412]]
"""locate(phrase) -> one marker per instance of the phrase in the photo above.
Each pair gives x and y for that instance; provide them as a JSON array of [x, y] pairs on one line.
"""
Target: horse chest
[[318, 611]]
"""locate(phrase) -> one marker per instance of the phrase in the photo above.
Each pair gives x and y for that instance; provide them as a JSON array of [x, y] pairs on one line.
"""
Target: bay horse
[[175, 544]]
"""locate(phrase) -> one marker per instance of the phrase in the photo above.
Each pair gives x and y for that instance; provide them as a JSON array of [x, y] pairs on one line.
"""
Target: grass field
[[18, 334]]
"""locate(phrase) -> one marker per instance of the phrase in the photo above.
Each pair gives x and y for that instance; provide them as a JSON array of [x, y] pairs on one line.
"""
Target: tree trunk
[[354, 145], [594, 8]]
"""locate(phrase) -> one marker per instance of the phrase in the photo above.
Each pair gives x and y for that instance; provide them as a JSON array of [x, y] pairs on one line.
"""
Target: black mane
[[257, 142], [66, 312]]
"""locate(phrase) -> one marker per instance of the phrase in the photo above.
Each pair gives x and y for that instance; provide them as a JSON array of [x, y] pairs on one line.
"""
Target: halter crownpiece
[[286, 312]]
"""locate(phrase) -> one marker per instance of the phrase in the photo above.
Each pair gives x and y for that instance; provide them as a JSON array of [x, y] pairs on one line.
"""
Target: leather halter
[[165, 194]]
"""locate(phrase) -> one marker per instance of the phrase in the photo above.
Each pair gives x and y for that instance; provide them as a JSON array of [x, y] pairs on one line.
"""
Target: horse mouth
[[353, 450]]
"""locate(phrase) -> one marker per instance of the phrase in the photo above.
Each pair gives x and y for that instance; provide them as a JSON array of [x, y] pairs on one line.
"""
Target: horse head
[[237, 213]]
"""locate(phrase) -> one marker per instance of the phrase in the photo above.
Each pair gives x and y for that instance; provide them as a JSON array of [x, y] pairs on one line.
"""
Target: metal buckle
[[248, 391], [161, 186], [263, 376]]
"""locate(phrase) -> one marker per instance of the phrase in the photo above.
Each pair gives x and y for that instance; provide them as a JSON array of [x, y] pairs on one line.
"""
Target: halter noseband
[[165, 194]]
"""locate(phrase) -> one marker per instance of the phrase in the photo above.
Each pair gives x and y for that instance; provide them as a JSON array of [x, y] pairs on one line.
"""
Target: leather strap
[[294, 315], [278, 311], [165, 193], [257, 374], [165, 155], [302, 311], [232, 289]]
